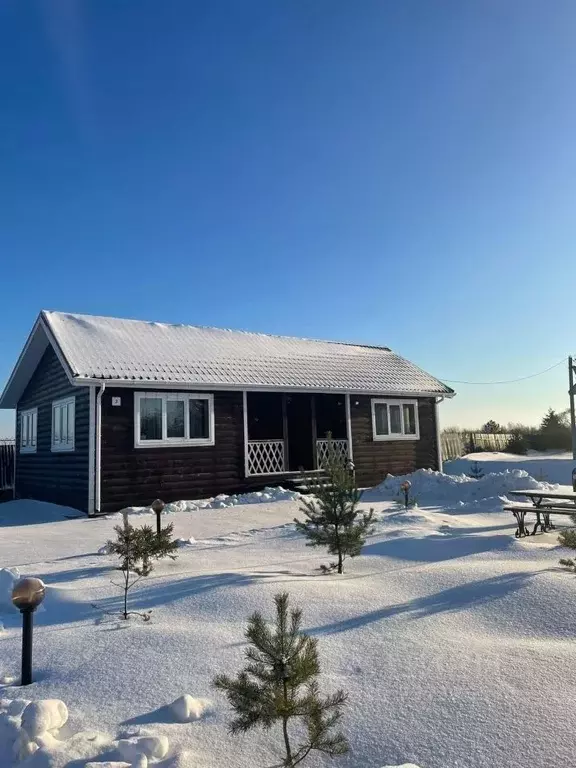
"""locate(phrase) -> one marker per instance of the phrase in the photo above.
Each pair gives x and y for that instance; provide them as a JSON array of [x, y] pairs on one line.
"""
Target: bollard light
[[405, 488], [157, 507], [27, 595]]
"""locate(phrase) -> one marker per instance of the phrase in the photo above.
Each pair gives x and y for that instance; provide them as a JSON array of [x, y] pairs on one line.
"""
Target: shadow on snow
[[452, 599]]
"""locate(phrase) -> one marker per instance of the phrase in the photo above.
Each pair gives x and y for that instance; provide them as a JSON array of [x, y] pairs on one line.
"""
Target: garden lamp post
[[405, 488], [27, 595], [157, 507]]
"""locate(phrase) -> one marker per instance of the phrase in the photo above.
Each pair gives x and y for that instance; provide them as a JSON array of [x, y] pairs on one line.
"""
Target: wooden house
[[113, 412]]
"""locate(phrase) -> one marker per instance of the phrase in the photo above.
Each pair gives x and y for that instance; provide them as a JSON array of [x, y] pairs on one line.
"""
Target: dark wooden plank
[[61, 478], [374, 459]]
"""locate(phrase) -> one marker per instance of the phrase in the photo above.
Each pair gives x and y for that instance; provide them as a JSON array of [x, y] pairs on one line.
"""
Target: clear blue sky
[[401, 173]]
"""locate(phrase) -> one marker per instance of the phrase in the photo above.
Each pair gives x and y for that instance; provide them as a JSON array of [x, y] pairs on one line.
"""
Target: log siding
[[57, 477], [374, 459], [136, 476]]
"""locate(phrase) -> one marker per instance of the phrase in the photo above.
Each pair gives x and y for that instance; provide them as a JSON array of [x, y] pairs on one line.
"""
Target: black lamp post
[[27, 595], [157, 507]]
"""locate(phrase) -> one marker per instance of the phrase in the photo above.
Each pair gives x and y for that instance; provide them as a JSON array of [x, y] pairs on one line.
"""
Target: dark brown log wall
[[58, 477], [136, 476], [374, 459]]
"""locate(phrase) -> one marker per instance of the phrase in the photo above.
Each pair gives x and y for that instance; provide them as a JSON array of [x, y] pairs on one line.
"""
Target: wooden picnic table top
[[538, 494]]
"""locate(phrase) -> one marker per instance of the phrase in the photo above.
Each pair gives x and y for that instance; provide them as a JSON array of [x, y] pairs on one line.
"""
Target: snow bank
[[549, 466], [429, 488], [222, 501]]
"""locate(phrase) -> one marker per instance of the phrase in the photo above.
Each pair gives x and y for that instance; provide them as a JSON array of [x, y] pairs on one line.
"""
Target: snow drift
[[431, 488]]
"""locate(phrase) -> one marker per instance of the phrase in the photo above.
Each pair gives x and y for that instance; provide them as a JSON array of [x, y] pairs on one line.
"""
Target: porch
[[288, 432]]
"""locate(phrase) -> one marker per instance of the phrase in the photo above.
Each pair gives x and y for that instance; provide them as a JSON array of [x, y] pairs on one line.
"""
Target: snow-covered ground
[[454, 641], [552, 467]]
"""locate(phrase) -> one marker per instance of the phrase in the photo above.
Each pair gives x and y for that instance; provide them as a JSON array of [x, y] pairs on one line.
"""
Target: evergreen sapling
[[333, 519], [279, 686], [136, 548], [568, 539]]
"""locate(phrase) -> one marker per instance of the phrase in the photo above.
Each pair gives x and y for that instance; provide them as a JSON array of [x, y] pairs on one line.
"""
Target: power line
[[507, 381]]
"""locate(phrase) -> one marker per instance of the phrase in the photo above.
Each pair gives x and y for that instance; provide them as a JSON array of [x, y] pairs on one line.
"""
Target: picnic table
[[542, 504]]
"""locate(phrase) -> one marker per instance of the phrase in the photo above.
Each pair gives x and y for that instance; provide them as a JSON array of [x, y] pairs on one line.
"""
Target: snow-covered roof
[[149, 353]]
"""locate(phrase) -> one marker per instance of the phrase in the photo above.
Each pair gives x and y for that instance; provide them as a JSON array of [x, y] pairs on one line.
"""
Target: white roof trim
[[38, 341]]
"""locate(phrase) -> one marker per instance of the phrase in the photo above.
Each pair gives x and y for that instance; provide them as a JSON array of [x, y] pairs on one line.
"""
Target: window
[[395, 420], [173, 419], [63, 424], [28, 430]]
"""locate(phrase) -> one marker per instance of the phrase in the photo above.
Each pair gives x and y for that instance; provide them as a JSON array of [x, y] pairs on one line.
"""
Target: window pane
[[64, 423], [24, 435], [395, 422], [34, 426], [199, 419], [70, 422], [409, 420], [175, 418], [57, 415], [381, 413], [151, 418]]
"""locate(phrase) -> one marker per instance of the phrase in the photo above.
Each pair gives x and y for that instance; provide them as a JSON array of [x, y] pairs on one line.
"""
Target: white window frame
[[28, 418], [67, 446], [395, 436], [173, 441]]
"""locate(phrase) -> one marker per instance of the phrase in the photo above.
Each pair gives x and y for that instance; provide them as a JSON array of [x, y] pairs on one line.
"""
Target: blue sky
[[401, 173]]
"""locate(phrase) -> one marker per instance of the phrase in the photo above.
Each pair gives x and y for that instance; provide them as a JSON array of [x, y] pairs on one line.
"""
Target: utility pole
[[572, 411]]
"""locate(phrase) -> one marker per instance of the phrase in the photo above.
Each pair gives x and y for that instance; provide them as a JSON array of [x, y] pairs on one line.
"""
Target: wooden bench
[[542, 512]]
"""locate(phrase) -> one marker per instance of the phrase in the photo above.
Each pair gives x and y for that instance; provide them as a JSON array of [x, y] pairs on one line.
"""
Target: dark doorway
[[300, 435], [331, 416]]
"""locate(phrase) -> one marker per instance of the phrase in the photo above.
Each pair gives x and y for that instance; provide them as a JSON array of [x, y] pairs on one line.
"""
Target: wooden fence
[[7, 451], [456, 444]]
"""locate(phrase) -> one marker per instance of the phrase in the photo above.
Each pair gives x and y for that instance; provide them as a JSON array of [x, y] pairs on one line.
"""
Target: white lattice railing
[[338, 447], [265, 457]]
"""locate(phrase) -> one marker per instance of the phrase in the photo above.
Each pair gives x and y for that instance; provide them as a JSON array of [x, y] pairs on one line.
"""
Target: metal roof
[[135, 352]]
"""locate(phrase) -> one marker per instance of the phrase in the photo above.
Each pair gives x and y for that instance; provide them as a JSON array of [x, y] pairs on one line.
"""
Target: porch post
[[349, 427], [245, 413], [285, 431], [314, 431]]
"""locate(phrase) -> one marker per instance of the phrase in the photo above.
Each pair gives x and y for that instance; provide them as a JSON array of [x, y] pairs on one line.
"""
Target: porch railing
[[265, 457], [339, 448]]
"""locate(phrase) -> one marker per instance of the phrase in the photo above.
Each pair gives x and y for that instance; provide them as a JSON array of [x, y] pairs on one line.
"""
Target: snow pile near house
[[268, 495], [549, 466], [430, 488]]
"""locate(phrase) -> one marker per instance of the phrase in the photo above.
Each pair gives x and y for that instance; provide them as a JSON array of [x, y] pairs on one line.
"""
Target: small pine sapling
[[279, 685], [136, 548], [476, 471], [568, 539], [333, 519]]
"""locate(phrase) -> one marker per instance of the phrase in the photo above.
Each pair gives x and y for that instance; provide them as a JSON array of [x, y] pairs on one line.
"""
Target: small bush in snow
[[333, 518], [518, 444], [136, 548], [568, 539], [476, 471], [279, 685]]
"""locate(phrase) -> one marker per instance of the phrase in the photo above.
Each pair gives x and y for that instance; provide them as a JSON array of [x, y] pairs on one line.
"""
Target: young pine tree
[[333, 519], [136, 548], [279, 686], [568, 539]]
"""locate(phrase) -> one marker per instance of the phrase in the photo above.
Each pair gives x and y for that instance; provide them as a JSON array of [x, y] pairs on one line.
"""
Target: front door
[[299, 428]]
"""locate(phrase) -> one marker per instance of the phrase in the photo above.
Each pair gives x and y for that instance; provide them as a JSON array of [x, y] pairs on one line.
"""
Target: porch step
[[305, 482]]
